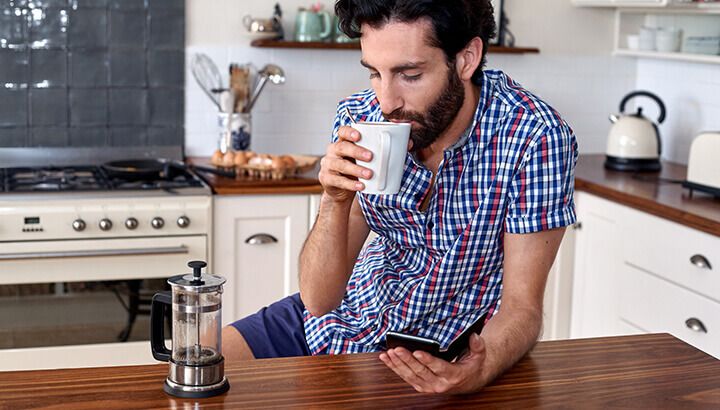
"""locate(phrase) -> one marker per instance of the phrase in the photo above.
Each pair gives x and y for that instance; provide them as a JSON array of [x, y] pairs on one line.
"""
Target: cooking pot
[[148, 169]]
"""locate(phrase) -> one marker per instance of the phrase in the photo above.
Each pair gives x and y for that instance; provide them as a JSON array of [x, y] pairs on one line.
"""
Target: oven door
[[84, 302]]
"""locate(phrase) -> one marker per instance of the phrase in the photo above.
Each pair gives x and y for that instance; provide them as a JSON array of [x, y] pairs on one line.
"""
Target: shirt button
[[430, 225]]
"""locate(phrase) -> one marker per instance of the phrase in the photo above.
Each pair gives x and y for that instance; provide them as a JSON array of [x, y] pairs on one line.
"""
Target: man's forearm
[[323, 261], [508, 336]]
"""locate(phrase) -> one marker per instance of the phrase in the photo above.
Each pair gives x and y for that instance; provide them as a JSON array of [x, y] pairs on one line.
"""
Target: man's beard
[[438, 117]]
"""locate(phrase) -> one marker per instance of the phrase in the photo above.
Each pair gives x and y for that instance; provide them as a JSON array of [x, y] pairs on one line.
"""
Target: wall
[[691, 93], [91, 74], [574, 72]]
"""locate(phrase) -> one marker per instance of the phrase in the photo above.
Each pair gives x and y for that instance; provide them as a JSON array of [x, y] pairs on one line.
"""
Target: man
[[487, 191]]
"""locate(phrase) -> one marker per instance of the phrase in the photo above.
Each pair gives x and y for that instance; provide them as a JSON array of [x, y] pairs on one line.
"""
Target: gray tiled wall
[[92, 73]]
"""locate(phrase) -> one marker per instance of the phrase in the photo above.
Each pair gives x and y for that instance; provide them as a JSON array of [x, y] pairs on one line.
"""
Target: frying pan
[[146, 169]]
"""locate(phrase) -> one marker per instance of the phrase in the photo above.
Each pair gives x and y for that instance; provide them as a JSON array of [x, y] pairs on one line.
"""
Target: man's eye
[[374, 75], [412, 78]]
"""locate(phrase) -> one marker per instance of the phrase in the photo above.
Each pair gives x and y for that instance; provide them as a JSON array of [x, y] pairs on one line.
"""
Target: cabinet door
[[257, 243], [558, 291], [597, 258]]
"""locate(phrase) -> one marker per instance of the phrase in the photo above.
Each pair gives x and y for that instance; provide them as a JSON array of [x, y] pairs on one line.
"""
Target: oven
[[78, 270]]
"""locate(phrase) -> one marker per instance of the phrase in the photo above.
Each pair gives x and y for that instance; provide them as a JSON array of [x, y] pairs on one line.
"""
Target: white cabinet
[[256, 246], [677, 29], [637, 273], [558, 291], [597, 259]]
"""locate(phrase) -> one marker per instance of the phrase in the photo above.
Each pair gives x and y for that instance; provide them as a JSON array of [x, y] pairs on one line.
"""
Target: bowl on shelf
[[702, 45]]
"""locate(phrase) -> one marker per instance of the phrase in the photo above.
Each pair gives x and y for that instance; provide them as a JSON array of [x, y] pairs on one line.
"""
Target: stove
[[81, 253], [94, 179]]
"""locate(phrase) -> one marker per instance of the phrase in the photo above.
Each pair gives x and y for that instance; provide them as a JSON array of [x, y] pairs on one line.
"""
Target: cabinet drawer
[[667, 249], [655, 305]]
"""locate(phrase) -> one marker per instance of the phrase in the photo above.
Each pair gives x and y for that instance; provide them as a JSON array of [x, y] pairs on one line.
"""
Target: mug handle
[[385, 147], [327, 31]]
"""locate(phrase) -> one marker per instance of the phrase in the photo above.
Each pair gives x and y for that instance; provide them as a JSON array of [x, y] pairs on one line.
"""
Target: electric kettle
[[634, 141], [196, 363]]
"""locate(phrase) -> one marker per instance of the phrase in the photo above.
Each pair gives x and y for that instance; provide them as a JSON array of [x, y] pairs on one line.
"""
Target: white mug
[[667, 40], [388, 141], [647, 38]]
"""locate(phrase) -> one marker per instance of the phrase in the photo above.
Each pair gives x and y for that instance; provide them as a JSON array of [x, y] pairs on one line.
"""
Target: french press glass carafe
[[196, 361]]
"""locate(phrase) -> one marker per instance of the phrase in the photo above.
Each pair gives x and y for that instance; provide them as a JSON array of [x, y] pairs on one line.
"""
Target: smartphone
[[413, 343]]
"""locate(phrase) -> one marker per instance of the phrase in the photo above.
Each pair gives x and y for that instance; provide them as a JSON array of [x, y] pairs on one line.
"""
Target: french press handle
[[161, 302]]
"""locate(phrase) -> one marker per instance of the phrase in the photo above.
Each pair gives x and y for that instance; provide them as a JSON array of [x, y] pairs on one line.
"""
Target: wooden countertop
[[646, 193], [646, 371], [304, 184]]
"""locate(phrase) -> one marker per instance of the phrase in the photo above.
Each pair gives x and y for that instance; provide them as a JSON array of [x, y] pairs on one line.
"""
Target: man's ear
[[469, 59]]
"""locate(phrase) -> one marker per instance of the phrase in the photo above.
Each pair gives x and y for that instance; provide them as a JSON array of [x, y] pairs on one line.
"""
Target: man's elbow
[[319, 310], [315, 307]]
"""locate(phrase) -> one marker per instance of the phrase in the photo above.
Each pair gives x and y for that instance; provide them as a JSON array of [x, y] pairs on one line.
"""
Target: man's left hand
[[429, 374]]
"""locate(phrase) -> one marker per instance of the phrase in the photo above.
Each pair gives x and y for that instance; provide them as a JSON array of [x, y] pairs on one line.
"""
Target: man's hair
[[454, 22]]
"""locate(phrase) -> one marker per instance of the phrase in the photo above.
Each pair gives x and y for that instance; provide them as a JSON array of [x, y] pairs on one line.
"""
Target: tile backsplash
[[92, 73], [297, 116]]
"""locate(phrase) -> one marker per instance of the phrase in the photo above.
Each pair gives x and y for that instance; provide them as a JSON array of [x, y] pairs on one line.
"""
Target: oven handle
[[104, 252]]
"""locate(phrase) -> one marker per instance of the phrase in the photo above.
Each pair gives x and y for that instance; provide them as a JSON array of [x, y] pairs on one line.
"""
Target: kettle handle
[[160, 302], [644, 94]]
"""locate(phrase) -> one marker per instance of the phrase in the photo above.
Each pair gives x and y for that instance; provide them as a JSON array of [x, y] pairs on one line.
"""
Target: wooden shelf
[[263, 43]]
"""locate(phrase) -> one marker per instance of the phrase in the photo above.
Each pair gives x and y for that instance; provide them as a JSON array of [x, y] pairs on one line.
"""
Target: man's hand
[[429, 374], [338, 170]]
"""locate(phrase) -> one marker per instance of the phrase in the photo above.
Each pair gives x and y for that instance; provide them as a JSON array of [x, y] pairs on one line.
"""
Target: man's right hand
[[338, 171]]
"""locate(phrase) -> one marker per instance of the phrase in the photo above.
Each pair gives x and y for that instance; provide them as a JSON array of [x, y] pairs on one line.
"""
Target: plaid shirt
[[433, 273]]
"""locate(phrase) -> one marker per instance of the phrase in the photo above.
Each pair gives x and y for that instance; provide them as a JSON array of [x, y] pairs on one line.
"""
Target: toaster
[[704, 164]]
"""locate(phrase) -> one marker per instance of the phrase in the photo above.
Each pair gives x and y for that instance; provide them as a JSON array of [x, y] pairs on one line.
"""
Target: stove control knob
[[157, 222], [131, 223], [78, 225], [105, 224], [183, 222]]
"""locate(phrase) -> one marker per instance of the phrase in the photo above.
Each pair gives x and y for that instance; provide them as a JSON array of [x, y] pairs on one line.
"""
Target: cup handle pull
[[385, 147], [327, 31]]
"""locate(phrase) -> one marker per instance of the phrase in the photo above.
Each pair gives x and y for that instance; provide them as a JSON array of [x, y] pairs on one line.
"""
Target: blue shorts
[[277, 330]]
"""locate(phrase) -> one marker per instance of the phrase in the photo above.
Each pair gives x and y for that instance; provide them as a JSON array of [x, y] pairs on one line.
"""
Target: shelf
[[698, 58], [263, 43]]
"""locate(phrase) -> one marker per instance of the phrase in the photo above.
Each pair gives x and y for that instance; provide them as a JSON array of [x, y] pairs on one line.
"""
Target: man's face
[[412, 80]]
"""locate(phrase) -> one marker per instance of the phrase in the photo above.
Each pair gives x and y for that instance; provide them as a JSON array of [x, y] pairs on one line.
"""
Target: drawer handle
[[695, 325], [701, 262], [261, 239]]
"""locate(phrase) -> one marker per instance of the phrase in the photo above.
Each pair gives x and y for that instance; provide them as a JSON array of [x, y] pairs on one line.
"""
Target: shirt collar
[[486, 92]]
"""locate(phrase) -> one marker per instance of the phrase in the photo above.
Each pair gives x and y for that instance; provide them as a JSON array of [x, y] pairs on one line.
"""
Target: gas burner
[[163, 184], [53, 179], [92, 178]]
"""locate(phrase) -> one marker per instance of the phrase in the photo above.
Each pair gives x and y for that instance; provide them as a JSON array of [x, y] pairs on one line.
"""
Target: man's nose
[[390, 99]]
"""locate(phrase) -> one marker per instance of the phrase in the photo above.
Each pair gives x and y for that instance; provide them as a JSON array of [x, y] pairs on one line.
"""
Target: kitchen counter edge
[[658, 194], [308, 184]]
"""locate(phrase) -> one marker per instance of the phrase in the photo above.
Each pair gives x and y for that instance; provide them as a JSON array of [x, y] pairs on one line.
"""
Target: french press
[[196, 361]]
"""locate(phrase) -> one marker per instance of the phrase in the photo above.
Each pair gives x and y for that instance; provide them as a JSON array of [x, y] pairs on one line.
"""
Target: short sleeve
[[541, 192]]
